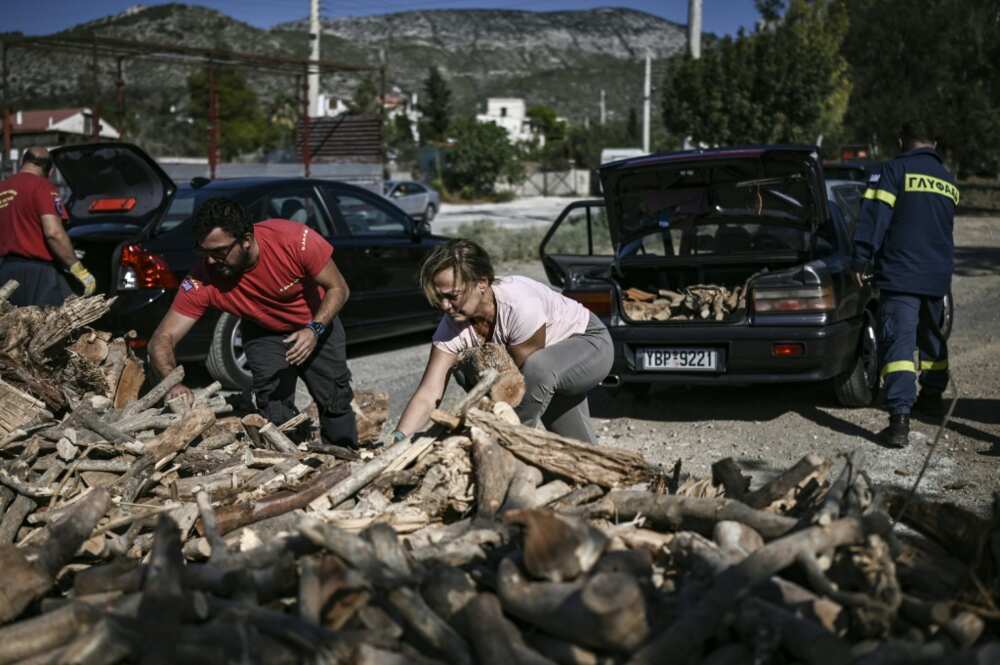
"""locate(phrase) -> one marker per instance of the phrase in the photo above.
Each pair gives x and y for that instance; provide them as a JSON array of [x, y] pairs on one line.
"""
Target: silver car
[[417, 200]]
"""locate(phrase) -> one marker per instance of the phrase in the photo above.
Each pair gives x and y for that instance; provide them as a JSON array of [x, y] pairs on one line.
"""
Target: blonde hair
[[470, 262]]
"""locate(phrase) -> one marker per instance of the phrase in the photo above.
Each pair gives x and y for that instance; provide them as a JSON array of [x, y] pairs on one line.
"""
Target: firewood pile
[[202, 537], [692, 303]]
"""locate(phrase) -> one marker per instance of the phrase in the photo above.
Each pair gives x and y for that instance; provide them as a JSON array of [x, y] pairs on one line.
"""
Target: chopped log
[[371, 410], [294, 422], [495, 468], [17, 409], [726, 472], [154, 396], [90, 347], [563, 651], [163, 601], [804, 639], [30, 572], [557, 547], [605, 611], [674, 512], [509, 386], [960, 531], [61, 321], [524, 484], [277, 439], [496, 640], [965, 629], [578, 497], [580, 462], [780, 487], [429, 626]]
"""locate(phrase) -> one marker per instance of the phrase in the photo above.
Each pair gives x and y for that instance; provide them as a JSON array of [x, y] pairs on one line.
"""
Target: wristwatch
[[317, 328], [398, 436]]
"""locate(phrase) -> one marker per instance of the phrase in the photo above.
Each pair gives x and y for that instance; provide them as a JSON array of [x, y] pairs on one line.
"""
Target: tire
[[429, 213], [858, 386], [226, 361]]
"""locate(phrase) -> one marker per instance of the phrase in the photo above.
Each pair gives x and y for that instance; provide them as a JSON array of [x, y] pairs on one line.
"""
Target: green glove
[[84, 277]]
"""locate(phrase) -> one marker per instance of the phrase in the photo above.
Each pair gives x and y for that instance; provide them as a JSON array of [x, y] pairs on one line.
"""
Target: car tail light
[[788, 349], [795, 299], [598, 302], [112, 205], [142, 269]]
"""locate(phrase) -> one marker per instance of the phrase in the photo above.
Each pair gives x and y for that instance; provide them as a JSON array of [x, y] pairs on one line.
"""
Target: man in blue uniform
[[905, 234]]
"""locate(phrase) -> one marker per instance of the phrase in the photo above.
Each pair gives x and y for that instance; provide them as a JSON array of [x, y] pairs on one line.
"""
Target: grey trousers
[[558, 378]]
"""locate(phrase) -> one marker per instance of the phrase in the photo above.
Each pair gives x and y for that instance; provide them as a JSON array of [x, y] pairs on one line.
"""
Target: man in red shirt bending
[[279, 278], [32, 236]]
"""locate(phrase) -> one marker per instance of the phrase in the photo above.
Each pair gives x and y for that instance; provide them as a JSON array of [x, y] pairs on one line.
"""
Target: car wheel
[[858, 386], [429, 213], [227, 360]]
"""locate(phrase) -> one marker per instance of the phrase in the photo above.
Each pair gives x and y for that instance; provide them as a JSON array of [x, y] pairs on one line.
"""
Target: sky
[[722, 17]]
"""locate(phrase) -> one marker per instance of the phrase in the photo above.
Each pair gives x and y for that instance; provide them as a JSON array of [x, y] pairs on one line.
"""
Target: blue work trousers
[[908, 323]]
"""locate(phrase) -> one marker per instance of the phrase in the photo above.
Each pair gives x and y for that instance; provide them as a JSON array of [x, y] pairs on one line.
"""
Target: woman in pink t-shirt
[[562, 349]]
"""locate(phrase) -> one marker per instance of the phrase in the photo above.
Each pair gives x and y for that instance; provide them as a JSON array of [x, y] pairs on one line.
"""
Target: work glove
[[84, 277]]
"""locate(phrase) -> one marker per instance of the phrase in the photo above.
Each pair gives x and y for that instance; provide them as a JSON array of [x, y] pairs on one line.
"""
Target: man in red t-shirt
[[279, 278], [32, 236]]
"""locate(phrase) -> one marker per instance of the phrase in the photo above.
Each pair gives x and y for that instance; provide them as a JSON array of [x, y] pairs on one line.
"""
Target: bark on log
[[676, 512], [786, 482], [509, 386], [496, 640], [804, 639], [154, 396], [429, 626], [495, 468], [523, 485], [578, 461], [557, 547], [726, 472], [606, 611], [371, 410]]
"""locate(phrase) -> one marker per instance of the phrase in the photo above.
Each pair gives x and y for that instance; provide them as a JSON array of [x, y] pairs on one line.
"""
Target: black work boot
[[930, 404], [897, 434]]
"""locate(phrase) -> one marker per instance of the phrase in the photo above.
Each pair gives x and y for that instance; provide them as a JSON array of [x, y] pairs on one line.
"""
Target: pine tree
[[435, 107]]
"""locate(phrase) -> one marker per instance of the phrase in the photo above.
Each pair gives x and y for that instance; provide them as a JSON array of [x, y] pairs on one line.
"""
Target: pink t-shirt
[[523, 306]]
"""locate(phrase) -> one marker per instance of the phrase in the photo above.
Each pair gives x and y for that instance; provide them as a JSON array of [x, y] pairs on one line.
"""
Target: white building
[[511, 113]]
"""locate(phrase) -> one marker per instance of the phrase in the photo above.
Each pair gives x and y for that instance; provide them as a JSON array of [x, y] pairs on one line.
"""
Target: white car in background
[[417, 200]]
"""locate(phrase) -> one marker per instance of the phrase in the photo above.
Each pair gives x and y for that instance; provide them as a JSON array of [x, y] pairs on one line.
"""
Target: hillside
[[560, 59]]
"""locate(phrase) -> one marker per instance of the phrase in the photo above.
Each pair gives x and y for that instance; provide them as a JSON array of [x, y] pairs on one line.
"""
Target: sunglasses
[[218, 253]]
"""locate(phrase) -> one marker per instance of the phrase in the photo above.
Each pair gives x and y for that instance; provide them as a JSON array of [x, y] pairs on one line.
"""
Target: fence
[[575, 182]]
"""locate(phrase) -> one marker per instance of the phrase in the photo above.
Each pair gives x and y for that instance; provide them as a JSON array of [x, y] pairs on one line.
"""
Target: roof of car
[[707, 154], [259, 181]]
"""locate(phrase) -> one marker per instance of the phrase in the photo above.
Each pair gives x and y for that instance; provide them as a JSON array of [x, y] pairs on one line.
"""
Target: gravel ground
[[767, 428]]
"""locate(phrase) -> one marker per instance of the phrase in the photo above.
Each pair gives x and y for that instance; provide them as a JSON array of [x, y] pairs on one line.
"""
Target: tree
[[435, 107], [365, 99], [399, 137], [786, 84], [481, 154], [632, 129], [243, 128], [544, 119]]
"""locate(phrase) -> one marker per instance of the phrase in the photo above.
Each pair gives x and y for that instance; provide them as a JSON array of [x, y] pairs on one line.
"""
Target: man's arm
[[876, 214], [62, 248], [171, 330], [521, 351], [303, 342]]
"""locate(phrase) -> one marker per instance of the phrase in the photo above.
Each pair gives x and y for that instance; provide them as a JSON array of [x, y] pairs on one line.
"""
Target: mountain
[[559, 59]]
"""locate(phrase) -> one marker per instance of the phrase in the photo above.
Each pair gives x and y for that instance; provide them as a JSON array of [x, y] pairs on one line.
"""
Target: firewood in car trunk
[[509, 386], [495, 469], [690, 630], [727, 472], [30, 572], [605, 611], [639, 295], [673, 512], [157, 393], [807, 641], [785, 483], [578, 461], [496, 640], [557, 547], [522, 487]]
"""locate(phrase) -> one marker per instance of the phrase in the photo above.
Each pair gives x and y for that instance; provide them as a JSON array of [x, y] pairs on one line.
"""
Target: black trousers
[[325, 374], [40, 282]]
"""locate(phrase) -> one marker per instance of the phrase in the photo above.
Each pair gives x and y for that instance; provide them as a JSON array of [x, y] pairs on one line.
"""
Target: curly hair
[[220, 213], [469, 261]]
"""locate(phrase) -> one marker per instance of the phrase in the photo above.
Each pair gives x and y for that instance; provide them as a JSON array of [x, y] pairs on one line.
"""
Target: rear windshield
[[730, 203], [181, 209]]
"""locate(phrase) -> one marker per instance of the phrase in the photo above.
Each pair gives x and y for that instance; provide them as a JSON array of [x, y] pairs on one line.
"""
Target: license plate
[[679, 360]]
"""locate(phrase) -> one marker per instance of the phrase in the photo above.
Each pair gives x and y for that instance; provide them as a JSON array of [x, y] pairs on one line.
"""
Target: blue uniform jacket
[[906, 223]]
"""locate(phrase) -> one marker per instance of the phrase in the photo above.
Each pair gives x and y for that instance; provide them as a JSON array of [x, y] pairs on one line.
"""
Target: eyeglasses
[[217, 253]]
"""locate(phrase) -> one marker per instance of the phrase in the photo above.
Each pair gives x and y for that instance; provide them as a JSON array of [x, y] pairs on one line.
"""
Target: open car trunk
[[686, 293]]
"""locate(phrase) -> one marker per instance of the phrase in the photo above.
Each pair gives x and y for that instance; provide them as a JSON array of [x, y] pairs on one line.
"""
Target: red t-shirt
[[24, 198], [279, 293]]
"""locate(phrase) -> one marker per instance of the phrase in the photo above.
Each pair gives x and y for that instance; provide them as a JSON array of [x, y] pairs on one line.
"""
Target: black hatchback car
[[133, 226], [755, 215]]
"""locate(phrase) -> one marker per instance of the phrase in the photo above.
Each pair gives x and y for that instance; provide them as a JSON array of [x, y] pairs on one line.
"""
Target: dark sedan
[[731, 216], [134, 227]]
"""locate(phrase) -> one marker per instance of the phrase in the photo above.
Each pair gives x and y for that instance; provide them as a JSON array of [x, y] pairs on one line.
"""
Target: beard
[[234, 269]]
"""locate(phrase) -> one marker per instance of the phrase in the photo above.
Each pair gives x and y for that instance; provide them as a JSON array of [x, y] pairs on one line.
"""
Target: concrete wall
[[363, 175]]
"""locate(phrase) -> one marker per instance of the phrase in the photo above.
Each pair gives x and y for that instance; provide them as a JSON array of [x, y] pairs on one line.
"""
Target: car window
[[571, 236], [299, 204], [848, 197], [364, 217], [180, 210]]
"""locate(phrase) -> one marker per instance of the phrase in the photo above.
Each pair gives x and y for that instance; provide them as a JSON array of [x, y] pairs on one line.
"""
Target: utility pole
[[694, 28], [313, 108], [646, 101], [603, 108]]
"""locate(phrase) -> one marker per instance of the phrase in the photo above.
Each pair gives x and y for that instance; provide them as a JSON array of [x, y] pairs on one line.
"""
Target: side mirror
[[421, 228]]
